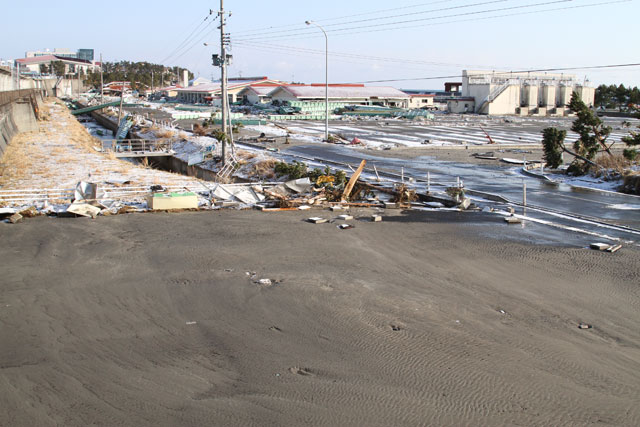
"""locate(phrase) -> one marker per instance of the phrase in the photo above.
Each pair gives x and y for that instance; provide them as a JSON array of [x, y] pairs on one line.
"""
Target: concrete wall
[[460, 106], [506, 102], [549, 96], [16, 117]]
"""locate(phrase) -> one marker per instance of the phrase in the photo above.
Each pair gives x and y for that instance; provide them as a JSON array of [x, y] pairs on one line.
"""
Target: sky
[[408, 44]]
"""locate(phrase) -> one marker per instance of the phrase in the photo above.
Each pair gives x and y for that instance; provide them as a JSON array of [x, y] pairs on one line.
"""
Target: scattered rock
[[345, 226], [317, 220], [584, 326], [512, 220], [15, 218], [29, 212], [600, 246]]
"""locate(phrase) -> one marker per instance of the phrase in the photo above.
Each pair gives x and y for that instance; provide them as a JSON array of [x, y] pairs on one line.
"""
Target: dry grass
[[199, 130], [631, 183], [164, 133], [264, 169], [617, 162], [246, 155]]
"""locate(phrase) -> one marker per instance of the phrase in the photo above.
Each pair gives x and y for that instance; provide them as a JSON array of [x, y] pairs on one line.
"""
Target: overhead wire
[[377, 29], [189, 39], [306, 29], [345, 16], [404, 22], [259, 45], [507, 73], [387, 59]]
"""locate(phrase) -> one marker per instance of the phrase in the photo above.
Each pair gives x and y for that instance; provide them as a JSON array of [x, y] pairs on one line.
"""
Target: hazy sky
[[376, 40]]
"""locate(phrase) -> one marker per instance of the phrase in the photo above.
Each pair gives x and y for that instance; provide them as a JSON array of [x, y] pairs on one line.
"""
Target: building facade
[[348, 94], [527, 93]]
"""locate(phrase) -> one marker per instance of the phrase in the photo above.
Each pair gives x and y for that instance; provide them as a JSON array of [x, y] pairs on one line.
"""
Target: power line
[[507, 73], [258, 45], [392, 16], [477, 12], [197, 42], [345, 17], [465, 20], [189, 38]]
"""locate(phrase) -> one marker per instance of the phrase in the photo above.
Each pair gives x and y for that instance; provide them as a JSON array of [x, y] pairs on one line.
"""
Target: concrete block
[[345, 217], [166, 201], [15, 218], [376, 218], [317, 220]]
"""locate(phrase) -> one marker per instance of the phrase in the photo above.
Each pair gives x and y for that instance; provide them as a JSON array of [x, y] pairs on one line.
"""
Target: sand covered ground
[[151, 319]]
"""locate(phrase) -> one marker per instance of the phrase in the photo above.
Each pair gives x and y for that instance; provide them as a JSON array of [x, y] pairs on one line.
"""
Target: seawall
[[19, 111]]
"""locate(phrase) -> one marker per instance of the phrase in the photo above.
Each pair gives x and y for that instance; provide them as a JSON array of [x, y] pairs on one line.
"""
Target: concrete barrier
[[18, 113]]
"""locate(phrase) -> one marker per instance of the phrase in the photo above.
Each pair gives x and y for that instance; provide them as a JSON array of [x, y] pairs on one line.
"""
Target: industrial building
[[526, 93]]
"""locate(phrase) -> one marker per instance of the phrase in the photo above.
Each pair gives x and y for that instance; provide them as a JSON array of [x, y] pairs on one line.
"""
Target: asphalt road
[[503, 181]]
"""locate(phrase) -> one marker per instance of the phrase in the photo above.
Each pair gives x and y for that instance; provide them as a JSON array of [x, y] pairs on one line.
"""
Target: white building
[[351, 94], [71, 65], [422, 101], [207, 92], [256, 94], [525, 93]]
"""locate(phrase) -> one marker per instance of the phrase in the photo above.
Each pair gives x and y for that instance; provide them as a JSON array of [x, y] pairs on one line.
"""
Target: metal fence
[[140, 146]]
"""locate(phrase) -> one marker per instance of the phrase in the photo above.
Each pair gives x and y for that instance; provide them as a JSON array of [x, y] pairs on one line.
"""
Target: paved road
[[504, 181]]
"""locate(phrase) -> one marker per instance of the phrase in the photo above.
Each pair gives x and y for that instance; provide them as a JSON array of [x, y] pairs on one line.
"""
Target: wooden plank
[[352, 181]]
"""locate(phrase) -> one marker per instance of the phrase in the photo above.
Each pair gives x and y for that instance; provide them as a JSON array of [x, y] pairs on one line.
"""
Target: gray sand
[[150, 319]]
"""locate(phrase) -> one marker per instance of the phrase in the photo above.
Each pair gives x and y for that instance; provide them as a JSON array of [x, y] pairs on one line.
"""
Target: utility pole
[[101, 81], [151, 83], [223, 79]]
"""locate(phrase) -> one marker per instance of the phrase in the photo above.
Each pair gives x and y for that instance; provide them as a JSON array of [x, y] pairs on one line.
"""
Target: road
[[506, 182]]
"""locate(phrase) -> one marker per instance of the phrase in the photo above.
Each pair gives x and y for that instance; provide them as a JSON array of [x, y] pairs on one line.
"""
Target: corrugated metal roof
[[233, 84], [262, 90], [344, 92]]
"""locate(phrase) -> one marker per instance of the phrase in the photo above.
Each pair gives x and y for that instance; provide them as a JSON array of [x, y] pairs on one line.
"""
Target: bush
[[294, 170]]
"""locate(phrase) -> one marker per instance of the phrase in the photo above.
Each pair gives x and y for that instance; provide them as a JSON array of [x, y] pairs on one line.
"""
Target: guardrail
[[137, 146]]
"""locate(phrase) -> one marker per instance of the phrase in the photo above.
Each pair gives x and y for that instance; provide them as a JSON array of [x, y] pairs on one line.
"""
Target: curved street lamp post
[[326, 76]]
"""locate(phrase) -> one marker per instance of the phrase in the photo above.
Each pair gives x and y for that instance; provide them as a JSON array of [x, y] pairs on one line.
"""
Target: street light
[[326, 76]]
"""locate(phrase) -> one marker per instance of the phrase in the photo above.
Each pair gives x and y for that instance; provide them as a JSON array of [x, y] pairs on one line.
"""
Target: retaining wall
[[18, 113]]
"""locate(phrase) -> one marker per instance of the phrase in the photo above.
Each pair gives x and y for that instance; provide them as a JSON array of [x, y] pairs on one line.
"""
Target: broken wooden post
[[352, 181], [428, 182], [376, 171], [524, 194], [402, 173]]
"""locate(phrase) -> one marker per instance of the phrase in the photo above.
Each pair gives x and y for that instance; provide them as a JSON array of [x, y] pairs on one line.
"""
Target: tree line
[[141, 75], [617, 97]]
